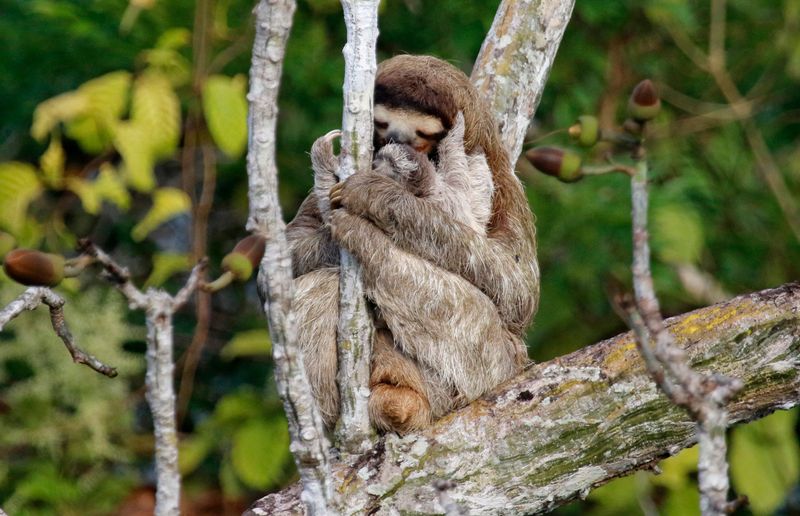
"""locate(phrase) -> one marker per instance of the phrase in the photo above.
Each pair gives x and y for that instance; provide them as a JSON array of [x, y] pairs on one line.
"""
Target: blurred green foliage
[[110, 108]]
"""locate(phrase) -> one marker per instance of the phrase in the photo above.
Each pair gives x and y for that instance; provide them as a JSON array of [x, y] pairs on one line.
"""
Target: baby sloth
[[462, 185]]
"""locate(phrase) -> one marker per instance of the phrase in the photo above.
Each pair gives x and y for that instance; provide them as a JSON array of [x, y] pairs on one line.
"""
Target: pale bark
[[355, 330], [159, 307], [160, 394], [703, 395], [571, 424], [30, 300], [515, 60], [308, 442]]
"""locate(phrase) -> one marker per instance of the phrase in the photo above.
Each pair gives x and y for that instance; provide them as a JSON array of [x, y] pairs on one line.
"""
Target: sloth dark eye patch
[[432, 136]]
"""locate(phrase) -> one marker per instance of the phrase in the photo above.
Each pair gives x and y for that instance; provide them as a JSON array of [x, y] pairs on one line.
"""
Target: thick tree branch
[[571, 424], [515, 60]]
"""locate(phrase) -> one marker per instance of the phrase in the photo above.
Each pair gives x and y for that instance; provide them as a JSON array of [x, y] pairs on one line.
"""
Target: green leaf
[[86, 131], [107, 187], [106, 100], [248, 343], [260, 450], [90, 112], [676, 475], [225, 109], [675, 471], [167, 203], [192, 451], [90, 199], [681, 502], [765, 460], [60, 108], [165, 265], [228, 482], [174, 38], [52, 163], [155, 110], [19, 185], [677, 234], [133, 143], [236, 407], [111, 188], [171, 64], [618, 497]]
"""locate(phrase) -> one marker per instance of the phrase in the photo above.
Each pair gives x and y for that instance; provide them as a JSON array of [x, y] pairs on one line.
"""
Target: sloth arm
[[506, 272], [438, 318], [310, 240]]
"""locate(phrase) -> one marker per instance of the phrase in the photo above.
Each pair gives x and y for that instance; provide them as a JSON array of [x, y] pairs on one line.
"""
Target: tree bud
[[586, 131], [644, 104], [245, 257], [564, 165], [34, 268]]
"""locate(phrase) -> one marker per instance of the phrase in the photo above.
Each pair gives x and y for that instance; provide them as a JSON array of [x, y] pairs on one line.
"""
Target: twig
[[159, 309], [115, 273], [704, 396], [198, 159], [355, 326], [30, 300], [160, 394], [309, 444]]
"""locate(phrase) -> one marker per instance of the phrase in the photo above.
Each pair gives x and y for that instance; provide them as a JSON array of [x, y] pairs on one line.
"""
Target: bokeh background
[[125, 121]]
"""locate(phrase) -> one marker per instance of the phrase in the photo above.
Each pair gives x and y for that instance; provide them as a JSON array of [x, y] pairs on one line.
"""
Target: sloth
[[452, 301]]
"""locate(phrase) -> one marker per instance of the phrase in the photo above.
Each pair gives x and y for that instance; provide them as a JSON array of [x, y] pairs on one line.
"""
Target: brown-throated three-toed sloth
[[453, 300]]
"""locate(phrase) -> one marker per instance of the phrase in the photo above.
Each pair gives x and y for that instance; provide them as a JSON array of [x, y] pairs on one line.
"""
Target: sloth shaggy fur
[[447, 253]]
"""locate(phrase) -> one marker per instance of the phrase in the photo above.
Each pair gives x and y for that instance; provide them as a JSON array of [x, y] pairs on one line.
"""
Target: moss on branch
[[572, 424]]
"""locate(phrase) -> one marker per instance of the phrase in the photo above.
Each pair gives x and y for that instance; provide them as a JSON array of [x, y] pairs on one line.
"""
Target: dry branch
[[571, 424], [159, 307], [703, 395], [30, 300]]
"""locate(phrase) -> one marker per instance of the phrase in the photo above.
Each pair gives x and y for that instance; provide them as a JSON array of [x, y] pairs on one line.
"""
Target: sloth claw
[[335, 196]]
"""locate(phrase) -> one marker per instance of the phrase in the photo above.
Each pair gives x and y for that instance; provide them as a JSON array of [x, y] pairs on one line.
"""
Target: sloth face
[[397, 125]]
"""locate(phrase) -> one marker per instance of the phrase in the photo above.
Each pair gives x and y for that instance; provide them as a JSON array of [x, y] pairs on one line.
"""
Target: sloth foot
[[398, 408]]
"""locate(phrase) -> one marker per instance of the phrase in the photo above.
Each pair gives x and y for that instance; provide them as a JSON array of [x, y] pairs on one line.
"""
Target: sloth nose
[[396, 137]]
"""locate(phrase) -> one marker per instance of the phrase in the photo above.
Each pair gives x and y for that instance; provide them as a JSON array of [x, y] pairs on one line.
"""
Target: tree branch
[[515, 60], [309, 445], [159, 307], [355, 329], [571, 424], [704, 396], [30, 300]]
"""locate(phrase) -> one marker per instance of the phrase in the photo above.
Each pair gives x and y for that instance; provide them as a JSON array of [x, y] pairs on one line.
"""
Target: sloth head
[[420, 130], [417, 99]]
